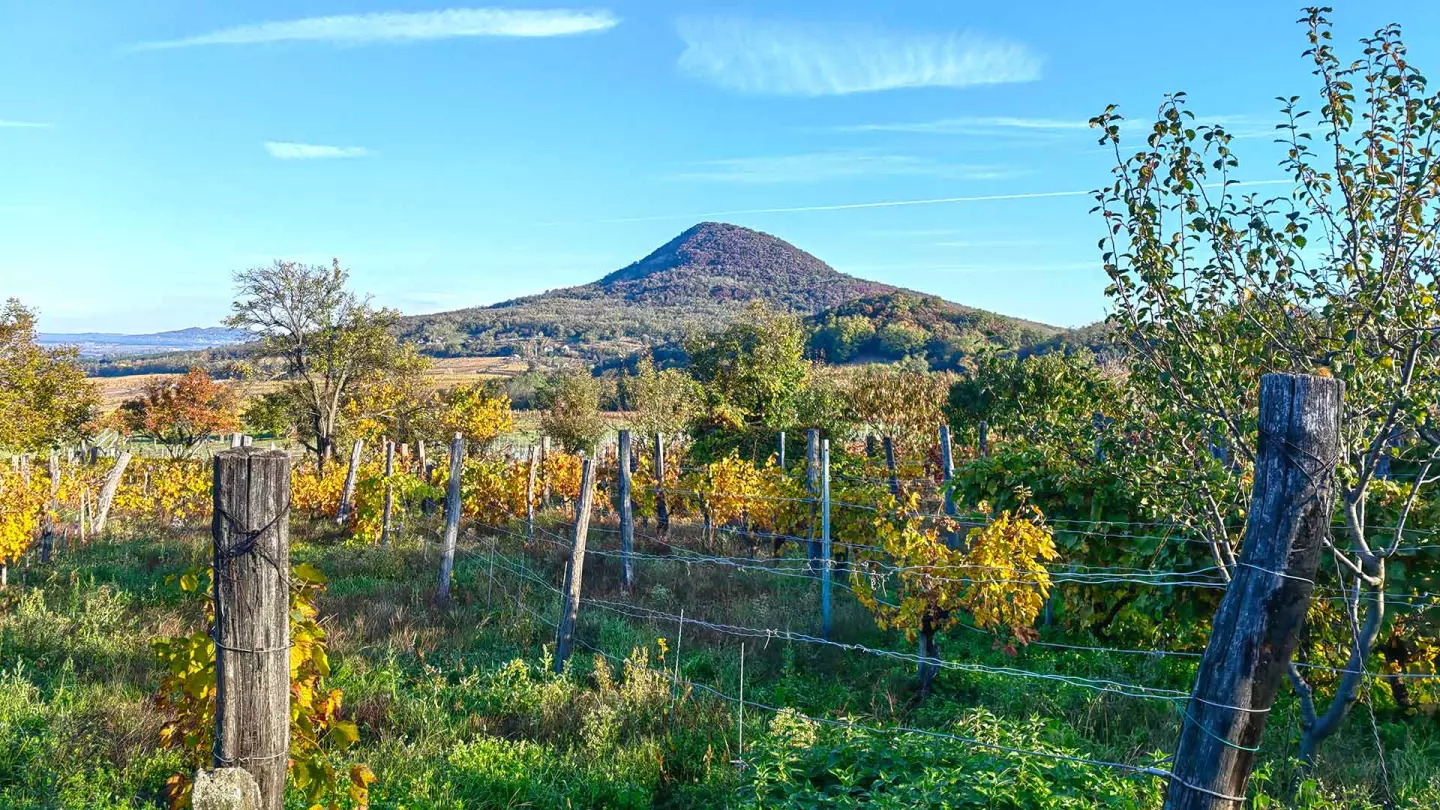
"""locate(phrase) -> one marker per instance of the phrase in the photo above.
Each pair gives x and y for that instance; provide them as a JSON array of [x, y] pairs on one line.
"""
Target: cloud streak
[[821, 166], [286, 150], [978, 125], [776, 58], [390, 27], [22, 125]]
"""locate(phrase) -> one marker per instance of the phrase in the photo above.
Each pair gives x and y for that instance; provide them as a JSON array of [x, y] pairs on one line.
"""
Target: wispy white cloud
[[285, 150], [357, 29], [779, 58], [978, 125], [820, 166], [22, 125]]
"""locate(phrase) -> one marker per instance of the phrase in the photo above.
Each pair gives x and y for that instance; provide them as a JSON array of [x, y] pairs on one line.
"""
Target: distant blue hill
[[109, 344]]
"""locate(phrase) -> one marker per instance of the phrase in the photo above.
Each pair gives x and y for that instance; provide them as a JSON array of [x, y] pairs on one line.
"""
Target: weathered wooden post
[[827, 562], [984, 438], [627, 515], [347, 495], [52, 508], [947, 470], [570, 606], [107, 493], [1257, 626], [389, 493], [251, 559], [544, 471], [530, 496], [889, 446], [782, 450], [452, 519], [662, 509]]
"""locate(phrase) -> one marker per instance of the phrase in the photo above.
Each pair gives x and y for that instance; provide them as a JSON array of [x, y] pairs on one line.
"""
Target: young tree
[[571, 410], [664, 402], [1212, 289], [45, 399], [753, 369], [327, 338], [181, 413]]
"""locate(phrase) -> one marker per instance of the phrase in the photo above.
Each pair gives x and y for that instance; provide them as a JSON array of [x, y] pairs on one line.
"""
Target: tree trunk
[[1257, 626]]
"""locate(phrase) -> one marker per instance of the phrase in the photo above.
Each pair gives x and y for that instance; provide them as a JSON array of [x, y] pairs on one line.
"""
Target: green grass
[[458, 709]]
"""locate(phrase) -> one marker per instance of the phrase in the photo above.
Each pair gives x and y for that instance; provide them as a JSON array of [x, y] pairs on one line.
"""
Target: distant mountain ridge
[[112, 344], [703, 278]]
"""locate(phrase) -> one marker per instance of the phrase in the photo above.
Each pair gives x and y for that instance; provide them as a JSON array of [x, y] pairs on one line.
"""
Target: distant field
[[444, 373]]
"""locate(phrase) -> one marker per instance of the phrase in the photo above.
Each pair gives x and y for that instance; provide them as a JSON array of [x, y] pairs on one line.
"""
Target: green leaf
[[309, 573]]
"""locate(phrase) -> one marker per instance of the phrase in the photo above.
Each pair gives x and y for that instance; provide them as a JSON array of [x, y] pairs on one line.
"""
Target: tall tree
[[45, 398], [1213, 288], [328, 339], [571, 410], [663, 401], [181, 413], [752, 370]]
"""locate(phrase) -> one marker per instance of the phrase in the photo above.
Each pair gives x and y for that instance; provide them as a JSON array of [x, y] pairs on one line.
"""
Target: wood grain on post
[[107, 493], [570, 607], [947, 470], [530, 495], [347, 495], [452, 518], [389, 493], [627, 515], [251, 558], [1257, 626], [662, 508]]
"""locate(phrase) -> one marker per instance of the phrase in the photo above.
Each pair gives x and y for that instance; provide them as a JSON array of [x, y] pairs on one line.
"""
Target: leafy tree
[[664, 402], [752, 370], [1211, 289], [398, 404], [327, 339], [479, 412], [274, 413], [571, 410], [45, 399], [902, 339], [903, 404], [840, 339], [183, 413], [1048, 400]]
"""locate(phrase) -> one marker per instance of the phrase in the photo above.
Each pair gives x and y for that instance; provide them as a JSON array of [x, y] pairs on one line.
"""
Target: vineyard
[[1197, 566]]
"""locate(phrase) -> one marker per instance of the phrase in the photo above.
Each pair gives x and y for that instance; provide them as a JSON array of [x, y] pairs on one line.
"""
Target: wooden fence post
[[530, 496], [52, 510], [1257, 626], [107, 493], [627, 515], [947, 469], [782, 450], [544, 471], [251, 559], [347, 495], [984, 438], [662, 509], [389, 493], [570, 607], [889, 446], [827, 562], [452, 518]]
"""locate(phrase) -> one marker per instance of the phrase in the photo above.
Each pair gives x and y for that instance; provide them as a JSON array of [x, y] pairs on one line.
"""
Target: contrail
[[1033, 195]]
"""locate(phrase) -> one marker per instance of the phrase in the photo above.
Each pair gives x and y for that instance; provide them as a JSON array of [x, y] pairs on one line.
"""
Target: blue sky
[[461, 155]]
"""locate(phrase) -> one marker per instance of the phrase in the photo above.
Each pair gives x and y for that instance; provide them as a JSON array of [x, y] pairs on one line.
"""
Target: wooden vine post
[[544, 471], [389, 493], [107, 493], [530, 495], [347, 495], [452, 519], [662, 509], [52, 509], [627, 515], [889, 446], [782, 450], [947, 470], [575, 571], [827, 562], [1257, 626], [984, 439], [251, 558]]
